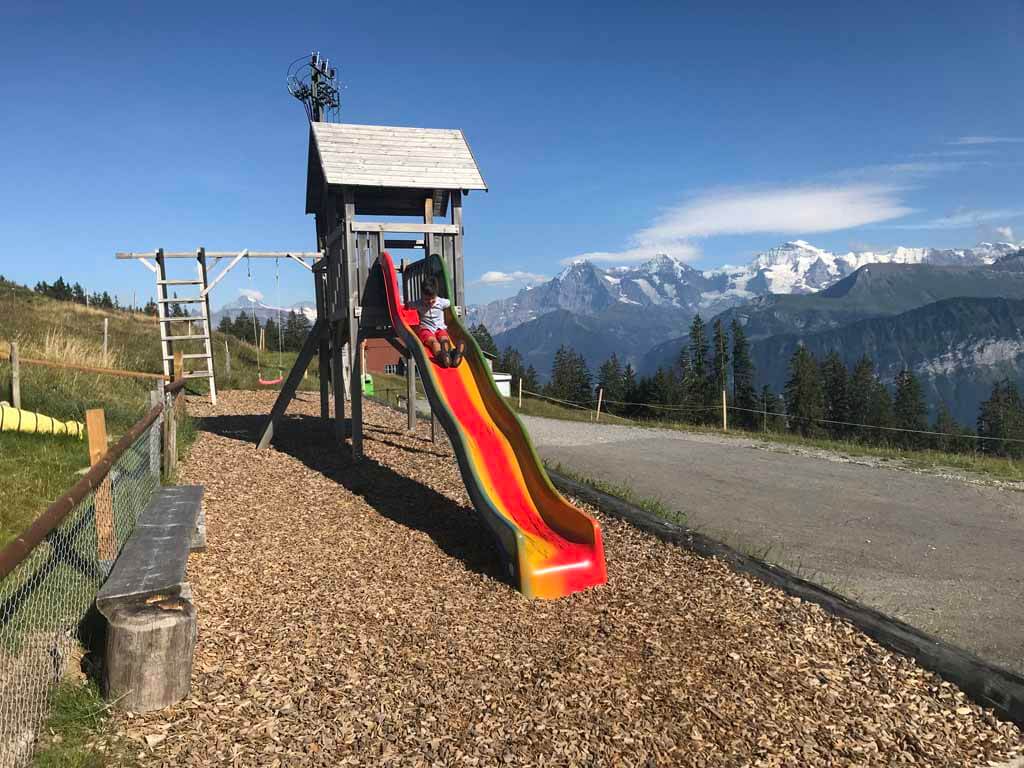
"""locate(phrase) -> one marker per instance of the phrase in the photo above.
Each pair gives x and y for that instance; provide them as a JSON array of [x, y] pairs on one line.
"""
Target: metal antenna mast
[[315, 85]]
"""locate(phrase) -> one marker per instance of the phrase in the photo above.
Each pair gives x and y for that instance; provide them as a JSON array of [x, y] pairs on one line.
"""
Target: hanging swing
[[280, 350]]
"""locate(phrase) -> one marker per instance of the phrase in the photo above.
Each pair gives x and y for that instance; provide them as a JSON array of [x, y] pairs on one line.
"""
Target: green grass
[[36, 469], [78, 715], [626, 494]]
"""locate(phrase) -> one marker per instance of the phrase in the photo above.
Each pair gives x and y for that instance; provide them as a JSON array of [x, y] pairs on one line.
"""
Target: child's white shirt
[[432, 317]]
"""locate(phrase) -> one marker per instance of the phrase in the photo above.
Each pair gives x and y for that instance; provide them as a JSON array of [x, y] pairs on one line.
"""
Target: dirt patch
[[355, 614]]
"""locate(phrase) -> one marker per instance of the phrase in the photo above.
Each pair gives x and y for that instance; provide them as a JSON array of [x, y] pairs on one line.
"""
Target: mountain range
[[262, 311], [953, 316], [795, 267]]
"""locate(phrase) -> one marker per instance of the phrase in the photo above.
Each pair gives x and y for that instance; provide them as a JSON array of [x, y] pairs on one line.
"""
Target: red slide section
[[552, 548]]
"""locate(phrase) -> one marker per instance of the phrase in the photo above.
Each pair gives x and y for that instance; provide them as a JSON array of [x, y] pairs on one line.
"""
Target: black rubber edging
[[986, 684]]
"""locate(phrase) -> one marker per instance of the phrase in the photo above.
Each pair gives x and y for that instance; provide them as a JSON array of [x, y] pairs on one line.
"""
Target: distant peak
[[575, 266]]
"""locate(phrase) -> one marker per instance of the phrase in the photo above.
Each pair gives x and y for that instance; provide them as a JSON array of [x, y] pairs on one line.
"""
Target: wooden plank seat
[[146, 600]]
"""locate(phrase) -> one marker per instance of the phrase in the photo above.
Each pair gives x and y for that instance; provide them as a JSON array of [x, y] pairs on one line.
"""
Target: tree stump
[[150, 644]]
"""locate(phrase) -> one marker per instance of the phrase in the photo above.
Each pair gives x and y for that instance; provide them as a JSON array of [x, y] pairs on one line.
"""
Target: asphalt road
[[942, 554]]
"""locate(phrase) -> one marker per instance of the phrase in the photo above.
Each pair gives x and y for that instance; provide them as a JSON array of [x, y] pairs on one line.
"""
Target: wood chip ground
[[355, 615]]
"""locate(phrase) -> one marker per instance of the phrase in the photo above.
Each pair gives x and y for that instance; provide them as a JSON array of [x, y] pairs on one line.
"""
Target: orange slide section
[[552, 549]]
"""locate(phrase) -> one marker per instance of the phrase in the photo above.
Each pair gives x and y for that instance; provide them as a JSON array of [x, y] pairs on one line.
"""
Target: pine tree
[[224, 326], [879, 413], [698, 386], [151, 309], [909, 411], [531, 379], [744, 396], [1002, 417], [484, 339], [243, 327], [859, 391], [772, 407], [78, 293], [719, 373], [272, 335], [951, 438], [834, 382], [805, 402], [611, 380], [570, 377], [630, 391]]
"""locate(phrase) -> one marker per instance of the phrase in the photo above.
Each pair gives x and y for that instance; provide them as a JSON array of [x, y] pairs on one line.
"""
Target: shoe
[[455, 357], [442, 359]]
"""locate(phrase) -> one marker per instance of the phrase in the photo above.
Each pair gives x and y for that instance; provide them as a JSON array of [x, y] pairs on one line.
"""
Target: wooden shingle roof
[[385, 156]]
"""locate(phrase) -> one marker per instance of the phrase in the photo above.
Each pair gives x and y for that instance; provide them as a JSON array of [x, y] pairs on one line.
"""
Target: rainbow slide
[[550, 547]]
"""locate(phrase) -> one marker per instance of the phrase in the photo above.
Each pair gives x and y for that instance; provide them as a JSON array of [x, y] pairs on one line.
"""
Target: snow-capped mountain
[[795, 267], [262, 311], [799, 267]]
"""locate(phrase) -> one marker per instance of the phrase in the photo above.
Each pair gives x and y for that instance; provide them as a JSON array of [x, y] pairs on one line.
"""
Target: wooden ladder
[[183, 328]]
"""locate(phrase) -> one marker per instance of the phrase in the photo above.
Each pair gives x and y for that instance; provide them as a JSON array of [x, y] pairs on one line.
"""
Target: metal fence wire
[[47, 601]]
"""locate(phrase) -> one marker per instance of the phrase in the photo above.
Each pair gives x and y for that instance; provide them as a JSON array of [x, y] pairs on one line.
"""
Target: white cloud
[[963, 219], [973, 140], [518, 276], [794, 210], [1006, 233], [251, 294]]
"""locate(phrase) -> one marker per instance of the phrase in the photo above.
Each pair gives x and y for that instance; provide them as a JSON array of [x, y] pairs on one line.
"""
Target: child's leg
[[430, 341]]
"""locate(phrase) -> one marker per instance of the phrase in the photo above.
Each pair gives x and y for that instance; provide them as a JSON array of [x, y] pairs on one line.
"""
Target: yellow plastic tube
[[19, 420]]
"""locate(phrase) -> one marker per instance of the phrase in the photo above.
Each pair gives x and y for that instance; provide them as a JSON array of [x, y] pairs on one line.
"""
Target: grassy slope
[[35, 469]]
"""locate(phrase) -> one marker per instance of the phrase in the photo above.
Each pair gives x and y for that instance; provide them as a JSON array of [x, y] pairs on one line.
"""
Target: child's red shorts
[[426, 335]]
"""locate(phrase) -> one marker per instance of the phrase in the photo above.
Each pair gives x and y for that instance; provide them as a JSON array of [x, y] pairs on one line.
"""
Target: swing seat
[[270, 382]]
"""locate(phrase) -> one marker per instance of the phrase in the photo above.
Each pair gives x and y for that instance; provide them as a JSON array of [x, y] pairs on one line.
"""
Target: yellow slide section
[[17, 420]]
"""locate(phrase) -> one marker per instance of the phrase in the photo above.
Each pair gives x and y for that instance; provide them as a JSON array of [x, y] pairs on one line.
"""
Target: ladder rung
[[194, 319], [183, 338], [197, 375], [186, 300], [179, 282], [190, 356]]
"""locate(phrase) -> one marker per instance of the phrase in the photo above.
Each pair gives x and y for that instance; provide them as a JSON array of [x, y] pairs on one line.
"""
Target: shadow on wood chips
[[395, 496]]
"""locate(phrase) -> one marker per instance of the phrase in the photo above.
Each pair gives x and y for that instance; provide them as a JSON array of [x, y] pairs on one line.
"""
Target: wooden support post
[[725, 412], [357, 402], [600, 398], [103, 501], [520, 393], [15, 376], [227, 359], [179, 365], [106, 331], [291, 384], [458, 273], [410, 390]]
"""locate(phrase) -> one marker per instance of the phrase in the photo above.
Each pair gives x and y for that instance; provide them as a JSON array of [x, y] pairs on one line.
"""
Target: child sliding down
[[432, 329]]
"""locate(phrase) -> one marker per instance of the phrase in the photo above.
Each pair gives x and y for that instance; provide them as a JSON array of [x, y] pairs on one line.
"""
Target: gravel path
[[939, 553], [354, 615]]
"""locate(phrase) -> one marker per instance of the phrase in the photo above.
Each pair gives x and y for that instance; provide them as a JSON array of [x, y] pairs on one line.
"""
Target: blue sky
[[607, 129]]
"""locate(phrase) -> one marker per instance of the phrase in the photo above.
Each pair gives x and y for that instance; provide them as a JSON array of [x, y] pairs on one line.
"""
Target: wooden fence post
[[156, 397], [725, 418], [600, 397], [227, 359], [103, 502], [15, 376], [170, 437], [106, 330], [179, 365], [520, 393]]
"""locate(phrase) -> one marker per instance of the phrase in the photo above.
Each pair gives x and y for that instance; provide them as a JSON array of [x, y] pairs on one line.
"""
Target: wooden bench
[[147, 602]]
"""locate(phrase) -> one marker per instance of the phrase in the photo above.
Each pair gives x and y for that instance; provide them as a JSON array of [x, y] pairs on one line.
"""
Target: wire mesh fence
[[47, 599]]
